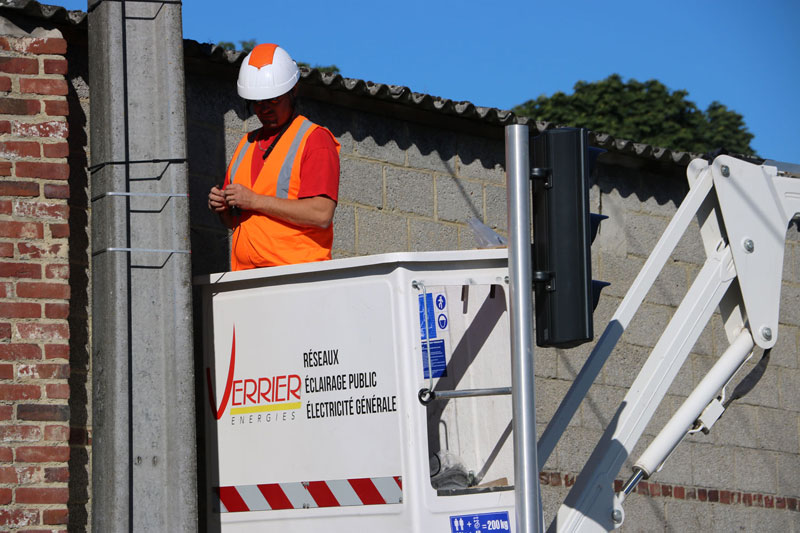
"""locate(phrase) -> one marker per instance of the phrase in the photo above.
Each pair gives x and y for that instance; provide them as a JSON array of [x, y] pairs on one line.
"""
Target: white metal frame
[[754, 205]]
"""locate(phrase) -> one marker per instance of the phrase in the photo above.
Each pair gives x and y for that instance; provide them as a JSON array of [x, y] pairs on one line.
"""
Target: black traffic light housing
[[563, 231]]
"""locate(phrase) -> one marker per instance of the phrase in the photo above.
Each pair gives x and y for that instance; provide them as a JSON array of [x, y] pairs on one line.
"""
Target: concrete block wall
[[403, 187], [409, 187], [35, 292]]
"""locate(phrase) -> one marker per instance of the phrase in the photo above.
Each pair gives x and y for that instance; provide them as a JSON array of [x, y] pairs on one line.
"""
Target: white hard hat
[[266, 72]]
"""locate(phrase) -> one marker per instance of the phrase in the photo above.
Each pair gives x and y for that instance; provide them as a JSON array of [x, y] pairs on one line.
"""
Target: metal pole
[[526, 473]]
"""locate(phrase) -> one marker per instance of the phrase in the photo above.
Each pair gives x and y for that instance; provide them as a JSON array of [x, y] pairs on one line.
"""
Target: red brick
[[30, 474], [43, 290], [14, 149], [17, 518], [20, 309], [55, 516], [19, 188], [60, 149], [780, 503], [8, 474], [56, 271], [19, 352], [758, 500], [19, 65], [56, 475], [58, 391], [6, 371], [50, 171], [791, 504], [52, 45], [51, 129], [31, 251], [6, 249], [43, 86], [43, 331], [56, 108], [19, 106], [5, 497], [747, 499], [5, 207], [56, 191], [55, 66], [20, 433], [5, 84], [543, 478], [769, 501], [52, 371], [5, 330], [42, 454], [42, 495], [713, 496], [56, 351], [56, 310], [59, 231], [5, 126], [6, 455], [21, 230], [43, 413], [56, 433], [19, 270], [569, 480], [618, 484], [725, 497], [5, 167]]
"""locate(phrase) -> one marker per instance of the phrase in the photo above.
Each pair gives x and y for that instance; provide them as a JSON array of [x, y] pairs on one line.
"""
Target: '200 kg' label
[[472, 523]]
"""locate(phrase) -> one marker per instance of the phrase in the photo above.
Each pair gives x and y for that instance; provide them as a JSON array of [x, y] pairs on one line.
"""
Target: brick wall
[[34, 284]]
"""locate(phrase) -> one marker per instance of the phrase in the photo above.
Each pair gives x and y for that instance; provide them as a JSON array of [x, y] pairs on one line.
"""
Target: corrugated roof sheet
[[396, 94]]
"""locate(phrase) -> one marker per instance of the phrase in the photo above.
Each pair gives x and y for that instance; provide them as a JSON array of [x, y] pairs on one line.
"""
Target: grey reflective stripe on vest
[[285, 175], [239, 157]]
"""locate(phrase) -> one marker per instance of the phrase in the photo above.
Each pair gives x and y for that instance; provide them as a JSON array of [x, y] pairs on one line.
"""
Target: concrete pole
[[144, 457]]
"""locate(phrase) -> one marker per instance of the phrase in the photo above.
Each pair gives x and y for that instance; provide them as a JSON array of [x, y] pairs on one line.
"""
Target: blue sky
[[745, 54]]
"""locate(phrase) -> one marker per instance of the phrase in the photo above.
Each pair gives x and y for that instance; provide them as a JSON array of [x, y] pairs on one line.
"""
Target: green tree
[[246, 46], [327, 68], [644, 112]]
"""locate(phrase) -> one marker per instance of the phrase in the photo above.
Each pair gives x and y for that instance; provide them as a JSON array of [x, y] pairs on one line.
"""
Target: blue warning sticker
[[470, 523], [427, 317], [438, 359]]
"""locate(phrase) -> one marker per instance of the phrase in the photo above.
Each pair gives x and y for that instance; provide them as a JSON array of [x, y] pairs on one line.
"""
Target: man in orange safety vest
[[281, 186]]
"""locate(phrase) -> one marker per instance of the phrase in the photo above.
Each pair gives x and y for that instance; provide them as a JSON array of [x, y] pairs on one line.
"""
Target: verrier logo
[[254, 395]]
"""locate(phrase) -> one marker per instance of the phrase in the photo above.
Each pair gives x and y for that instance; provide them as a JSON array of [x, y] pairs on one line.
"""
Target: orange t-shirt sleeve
[[319, 170]]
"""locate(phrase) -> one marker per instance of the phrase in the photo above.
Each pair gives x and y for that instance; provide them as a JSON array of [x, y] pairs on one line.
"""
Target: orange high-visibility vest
[[260, 240]]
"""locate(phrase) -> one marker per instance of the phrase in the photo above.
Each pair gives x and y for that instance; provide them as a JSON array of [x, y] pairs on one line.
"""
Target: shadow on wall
[[80, 387]]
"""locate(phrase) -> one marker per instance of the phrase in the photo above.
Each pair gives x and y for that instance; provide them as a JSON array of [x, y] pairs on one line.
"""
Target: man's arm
[[316, 211]]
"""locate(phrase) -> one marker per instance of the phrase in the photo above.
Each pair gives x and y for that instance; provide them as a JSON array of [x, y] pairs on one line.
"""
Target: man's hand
[[316, 211], [237, 195], [216, 200]]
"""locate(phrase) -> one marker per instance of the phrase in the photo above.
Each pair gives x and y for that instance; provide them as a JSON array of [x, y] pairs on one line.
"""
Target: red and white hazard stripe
[[308, 494]]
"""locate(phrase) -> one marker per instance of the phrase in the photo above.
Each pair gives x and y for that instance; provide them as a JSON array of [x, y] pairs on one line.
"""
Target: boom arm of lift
[[743, 227]]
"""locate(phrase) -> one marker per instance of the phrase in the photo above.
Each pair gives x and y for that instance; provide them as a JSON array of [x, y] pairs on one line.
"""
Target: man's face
[[275, 112]]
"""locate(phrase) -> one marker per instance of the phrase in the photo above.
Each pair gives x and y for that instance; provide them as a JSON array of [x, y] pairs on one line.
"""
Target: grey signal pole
[[143, 454], [526, 472]]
